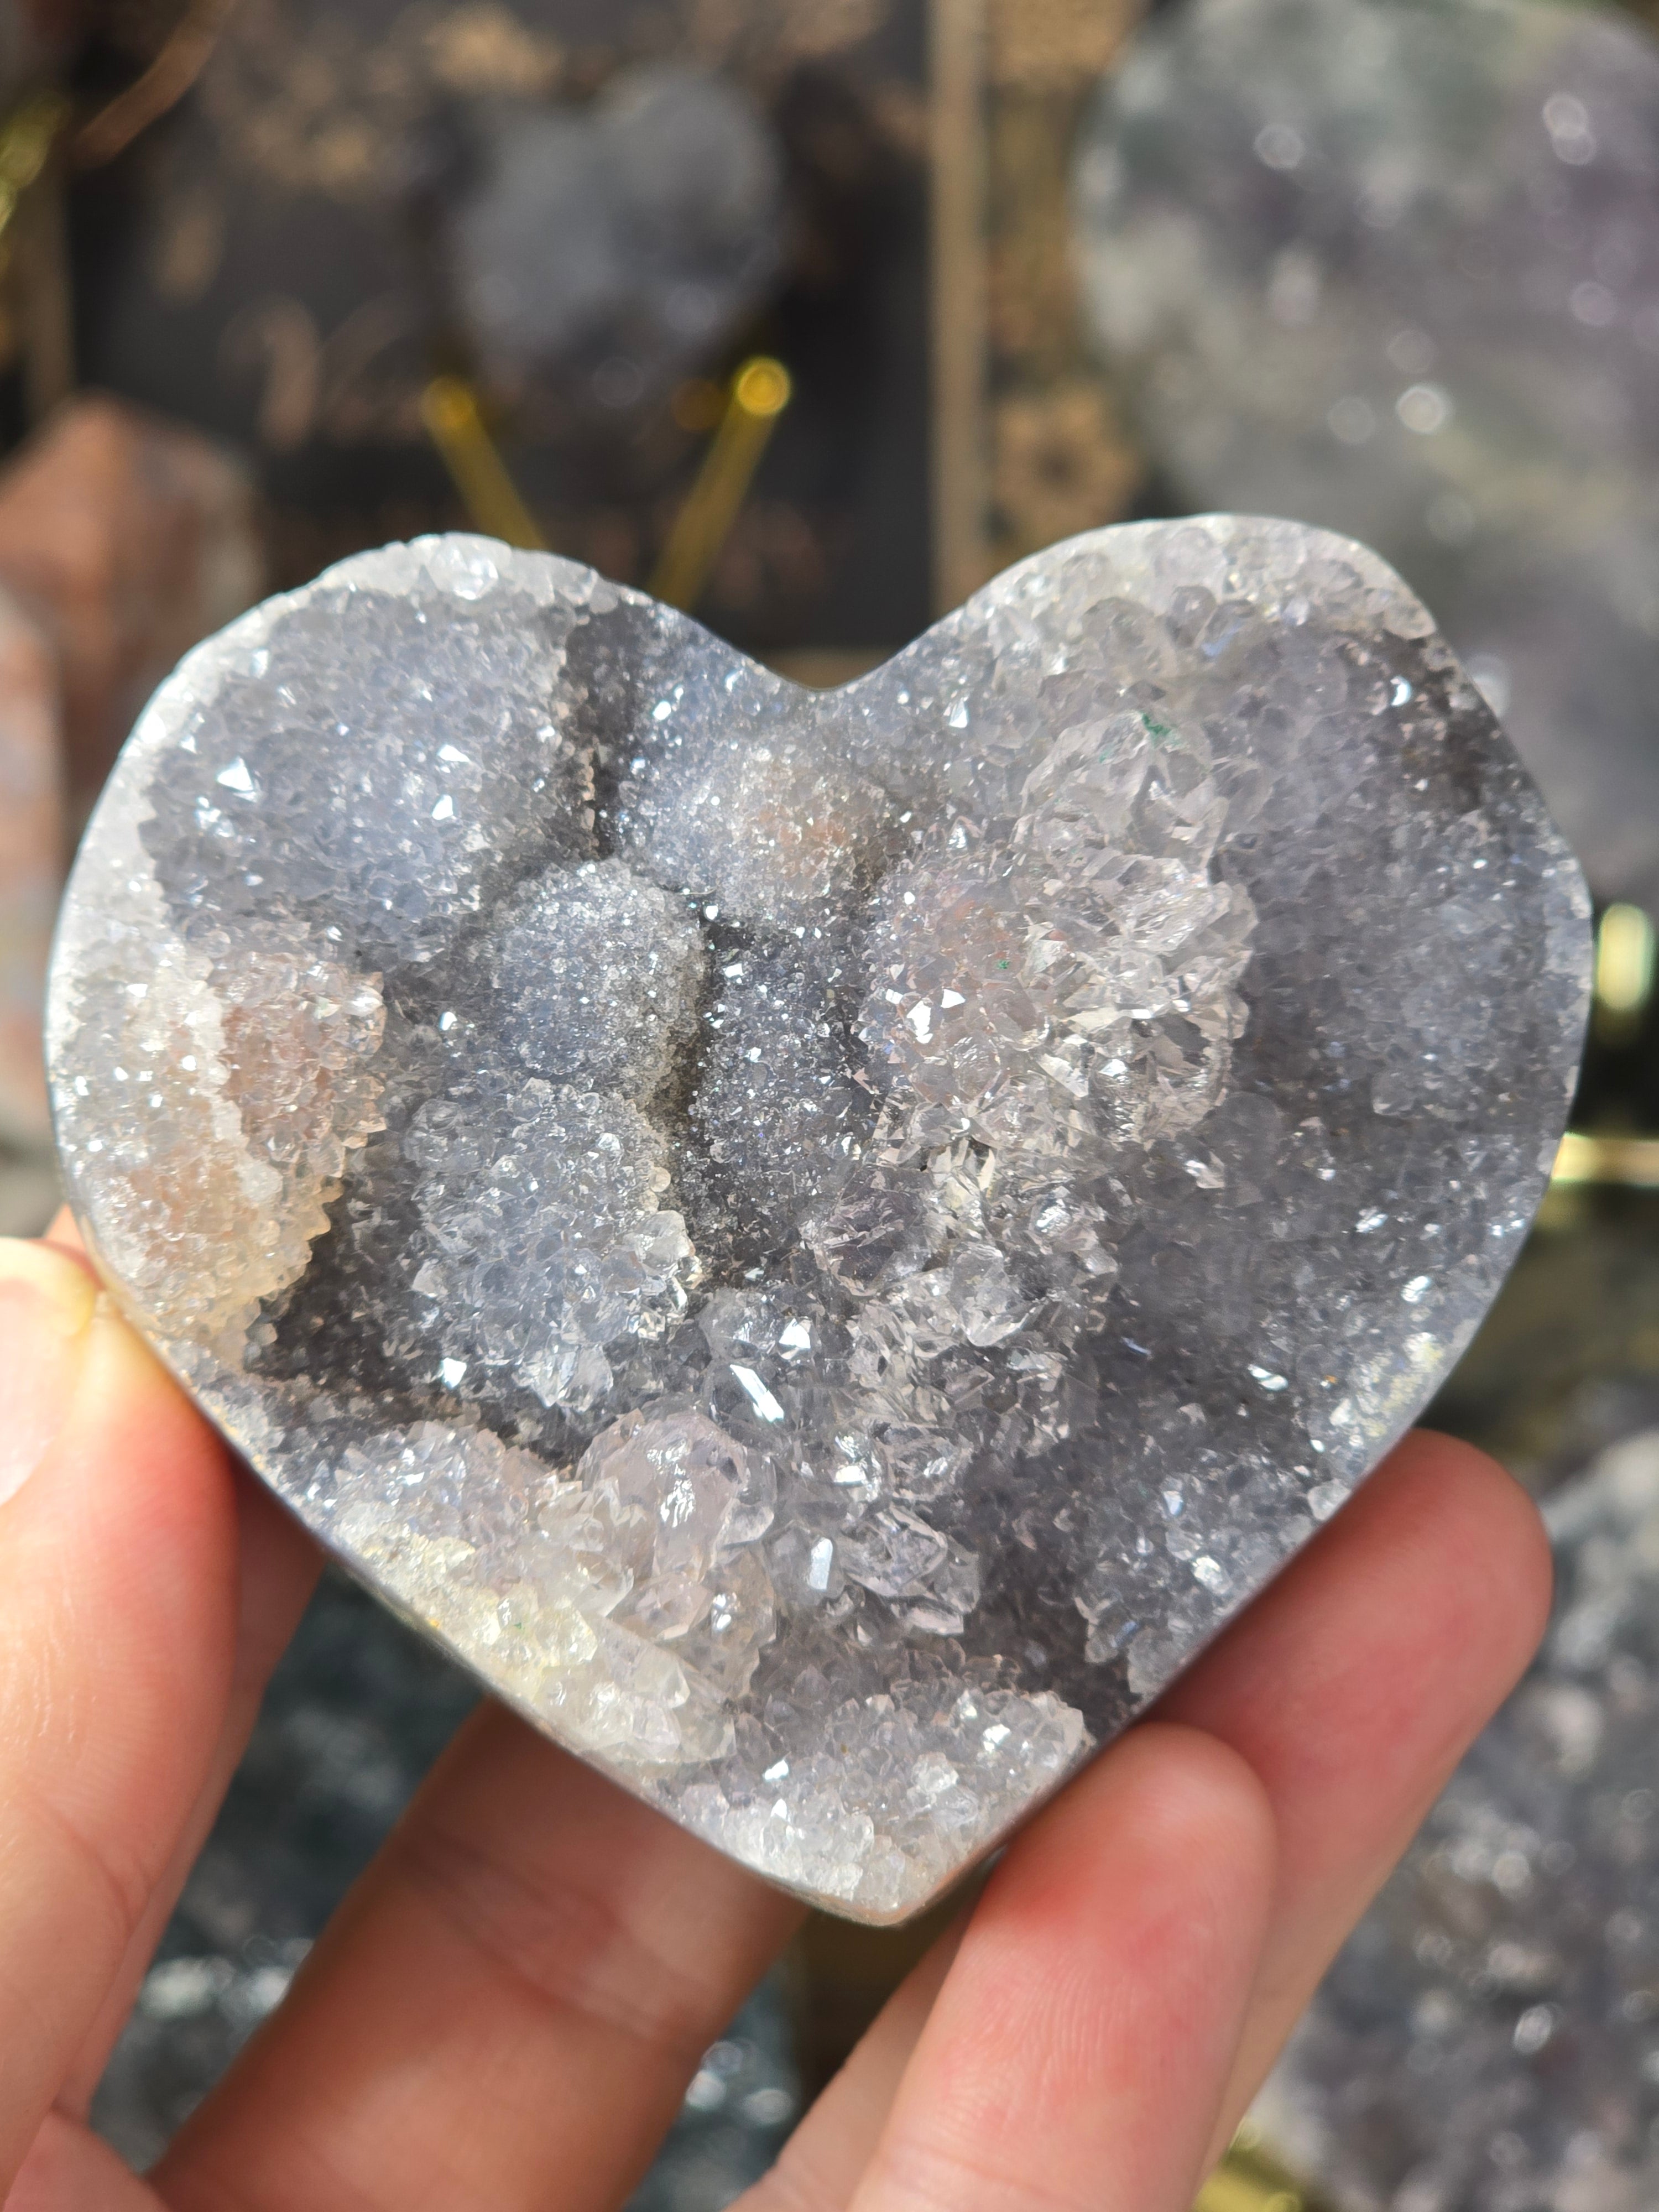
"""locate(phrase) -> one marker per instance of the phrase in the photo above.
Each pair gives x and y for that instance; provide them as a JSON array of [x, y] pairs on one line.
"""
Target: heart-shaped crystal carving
[[821, 1243]]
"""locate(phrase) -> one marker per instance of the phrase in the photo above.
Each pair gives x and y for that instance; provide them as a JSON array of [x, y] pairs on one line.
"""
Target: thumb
[[119, 1598]]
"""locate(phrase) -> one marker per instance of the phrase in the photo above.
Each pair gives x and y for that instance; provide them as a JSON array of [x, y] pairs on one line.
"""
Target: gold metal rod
[[1630, 1161], [1625, 951], [760, 392], [449, 409], [33, 251], [27, 136]]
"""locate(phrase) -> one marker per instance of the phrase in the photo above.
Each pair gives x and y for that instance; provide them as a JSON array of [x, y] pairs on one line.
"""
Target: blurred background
[[810, 315]]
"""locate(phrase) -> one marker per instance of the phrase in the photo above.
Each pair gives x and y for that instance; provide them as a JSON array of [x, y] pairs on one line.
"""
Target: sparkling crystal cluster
[[1489, 2038], [1395, 270], [822, 1242]]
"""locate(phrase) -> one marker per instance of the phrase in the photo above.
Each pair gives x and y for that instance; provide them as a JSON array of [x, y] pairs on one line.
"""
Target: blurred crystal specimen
[[1486, 2038], [128, 538], [1395, 270], [597, 254], [821, 1242]]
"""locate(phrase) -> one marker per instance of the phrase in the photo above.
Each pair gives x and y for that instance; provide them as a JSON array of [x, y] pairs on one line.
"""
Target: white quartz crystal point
[[1395, 270], [822, 1244], [1485, 2039]]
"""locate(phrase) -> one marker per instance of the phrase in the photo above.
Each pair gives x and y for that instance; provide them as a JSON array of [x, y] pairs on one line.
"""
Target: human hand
[[506, 2011]]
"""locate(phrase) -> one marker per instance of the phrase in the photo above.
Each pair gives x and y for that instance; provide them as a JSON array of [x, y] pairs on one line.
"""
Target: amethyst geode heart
[[821, 1243]]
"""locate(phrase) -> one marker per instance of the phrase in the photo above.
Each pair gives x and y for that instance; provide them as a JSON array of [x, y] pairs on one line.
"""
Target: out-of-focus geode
[[597, 254], [1395, 270], [823, 1242], [1489, 2037]]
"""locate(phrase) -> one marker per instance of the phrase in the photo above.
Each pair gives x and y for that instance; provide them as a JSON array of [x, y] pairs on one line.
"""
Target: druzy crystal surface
[[1395, 270], [822, 1242], [1489, 2039]]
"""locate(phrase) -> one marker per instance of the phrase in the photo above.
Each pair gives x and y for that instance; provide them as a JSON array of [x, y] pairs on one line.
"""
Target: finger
[[1080, 2042], [276, 1567], [68, 2169], [506, 2012], [821, 2164], [116, 1618], [1354, 1688], [120, 1578]]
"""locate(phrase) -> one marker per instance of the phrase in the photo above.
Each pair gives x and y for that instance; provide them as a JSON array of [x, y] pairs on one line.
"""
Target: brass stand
[[449, 410], [758, 395], [760, 392]]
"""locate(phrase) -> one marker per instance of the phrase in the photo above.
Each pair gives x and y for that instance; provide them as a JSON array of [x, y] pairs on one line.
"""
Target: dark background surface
[[253, 266]]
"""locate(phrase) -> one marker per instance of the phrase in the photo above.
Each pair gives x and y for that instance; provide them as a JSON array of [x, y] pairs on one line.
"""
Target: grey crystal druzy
[[823, 1242], [1393, 268], [1489, 2039]]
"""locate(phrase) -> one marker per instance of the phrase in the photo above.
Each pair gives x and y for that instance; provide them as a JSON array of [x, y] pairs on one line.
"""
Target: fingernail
[[46, 1302]]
